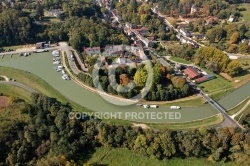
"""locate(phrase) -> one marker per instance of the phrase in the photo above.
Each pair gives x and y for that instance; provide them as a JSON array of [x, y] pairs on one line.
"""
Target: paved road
[[19, 85], [228, 121]]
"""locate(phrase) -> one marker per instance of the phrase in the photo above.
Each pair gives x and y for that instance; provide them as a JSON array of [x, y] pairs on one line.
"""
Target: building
[[140, 29], [204, 78], [92, 50], [193, 9], [116, 15], [192, 73], [54, 12], [40, 45], [184, 32], [231, 18], [155, 9]]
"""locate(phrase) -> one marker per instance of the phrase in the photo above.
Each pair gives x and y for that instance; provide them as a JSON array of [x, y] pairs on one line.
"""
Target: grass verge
[[11, 90], [197, 101], [238, 107], [125, 157], [213, 120]]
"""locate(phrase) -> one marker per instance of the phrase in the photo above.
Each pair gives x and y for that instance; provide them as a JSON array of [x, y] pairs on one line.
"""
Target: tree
[[124, 80], [39, 10], [234, 68], [234, 38], [140, 77], [77, 39]]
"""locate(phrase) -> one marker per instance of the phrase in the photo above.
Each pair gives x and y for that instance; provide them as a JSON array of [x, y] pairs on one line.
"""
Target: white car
[[146, 106], [138, 104], [63, 72]]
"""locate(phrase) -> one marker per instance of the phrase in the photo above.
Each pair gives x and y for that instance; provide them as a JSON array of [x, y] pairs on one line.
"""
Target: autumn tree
[[140, 77]]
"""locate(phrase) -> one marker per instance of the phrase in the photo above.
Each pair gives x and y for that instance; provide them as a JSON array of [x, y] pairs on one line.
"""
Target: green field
[[180, 60], [192, 102], [124, 157], [216, 119], [41, 65], [216, 84], [15, 91], [246, 14]]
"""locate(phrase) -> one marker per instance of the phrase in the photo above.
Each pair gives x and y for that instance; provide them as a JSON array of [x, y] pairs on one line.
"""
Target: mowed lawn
[[216, 84], [180, 60], [124, 157], [246, 14]]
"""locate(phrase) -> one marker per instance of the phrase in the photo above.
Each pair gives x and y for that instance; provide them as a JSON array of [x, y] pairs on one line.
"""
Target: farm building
[[204, 78], [192, 73], [40, 45]]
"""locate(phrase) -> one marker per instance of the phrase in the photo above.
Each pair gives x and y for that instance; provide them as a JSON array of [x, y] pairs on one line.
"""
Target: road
[[228, 121], [19, 85]]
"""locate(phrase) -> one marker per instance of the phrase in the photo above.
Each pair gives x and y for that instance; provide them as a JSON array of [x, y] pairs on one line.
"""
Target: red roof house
[[191, 73]]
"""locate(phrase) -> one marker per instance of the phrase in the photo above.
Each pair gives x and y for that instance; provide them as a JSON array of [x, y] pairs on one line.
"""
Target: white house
[[193, 9], [231, 18]]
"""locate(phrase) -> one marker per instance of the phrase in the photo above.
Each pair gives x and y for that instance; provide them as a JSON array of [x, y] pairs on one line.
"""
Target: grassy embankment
[[238, 107], [124, 157]]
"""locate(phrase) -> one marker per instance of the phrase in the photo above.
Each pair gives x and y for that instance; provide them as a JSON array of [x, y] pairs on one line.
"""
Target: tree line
[[47, 136], [215, 60], [80, 29]]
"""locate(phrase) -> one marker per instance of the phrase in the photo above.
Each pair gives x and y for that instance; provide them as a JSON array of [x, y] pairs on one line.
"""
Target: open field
[[41, 65], [246, 14], [180, 60], [214, 85], [124, 157]]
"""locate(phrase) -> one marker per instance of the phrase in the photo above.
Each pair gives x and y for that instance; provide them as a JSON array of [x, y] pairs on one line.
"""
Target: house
[[155, 9], [116, 15], [192, 73], [92, 50], [231, 18], [184, 32], [140, 29], [127, 31], [40, 45], [199, 36], [54, 12], [193, 9]]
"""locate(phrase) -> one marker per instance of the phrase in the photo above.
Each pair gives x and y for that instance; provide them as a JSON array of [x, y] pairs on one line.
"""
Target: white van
[[175, 107]]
